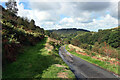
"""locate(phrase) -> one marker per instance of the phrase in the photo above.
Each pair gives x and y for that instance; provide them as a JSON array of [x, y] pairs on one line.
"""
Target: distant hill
[[73, 35], [68, 30]]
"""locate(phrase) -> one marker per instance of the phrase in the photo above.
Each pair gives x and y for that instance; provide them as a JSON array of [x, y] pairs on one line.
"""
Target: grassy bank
[[102, 64], [37, 62]]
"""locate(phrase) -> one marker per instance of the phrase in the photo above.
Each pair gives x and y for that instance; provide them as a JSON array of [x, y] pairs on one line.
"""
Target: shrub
[[86, 46], [10, 51], [72, 49]]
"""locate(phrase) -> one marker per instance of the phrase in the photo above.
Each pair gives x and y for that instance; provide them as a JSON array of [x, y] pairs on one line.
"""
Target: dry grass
[[48, 46], [58, 65], [62, 75], [76, 48], [53, 40]]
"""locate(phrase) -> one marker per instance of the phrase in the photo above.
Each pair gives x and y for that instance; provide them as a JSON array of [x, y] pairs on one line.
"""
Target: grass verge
[[36, 62]]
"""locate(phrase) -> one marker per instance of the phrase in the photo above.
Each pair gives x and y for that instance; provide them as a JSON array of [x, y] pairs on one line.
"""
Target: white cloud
[[71, 0], [105, 22], [45, 5], [66, 20], [47, 15], [114, 9], [38, 16]]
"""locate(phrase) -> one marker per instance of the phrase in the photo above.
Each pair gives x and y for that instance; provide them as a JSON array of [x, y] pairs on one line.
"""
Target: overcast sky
[[68, 14]]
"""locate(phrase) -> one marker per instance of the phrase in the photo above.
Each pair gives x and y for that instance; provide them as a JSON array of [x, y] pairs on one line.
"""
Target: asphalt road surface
[[83, 69]]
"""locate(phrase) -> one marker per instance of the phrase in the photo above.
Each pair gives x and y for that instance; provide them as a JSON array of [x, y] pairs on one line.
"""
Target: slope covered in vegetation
[[65, 35], [105, 62], [16, 34], [110, 36], [39, 61]]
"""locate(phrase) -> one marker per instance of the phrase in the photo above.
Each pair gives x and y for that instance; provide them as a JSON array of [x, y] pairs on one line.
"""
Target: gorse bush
[[86, 46]]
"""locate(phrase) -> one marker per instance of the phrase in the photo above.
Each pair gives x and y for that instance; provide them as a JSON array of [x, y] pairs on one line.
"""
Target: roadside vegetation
[[37, 62], [58, 69], [105, 62]]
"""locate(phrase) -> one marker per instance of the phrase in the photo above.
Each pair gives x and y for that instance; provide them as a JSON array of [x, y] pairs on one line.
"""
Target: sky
[[56, 14]]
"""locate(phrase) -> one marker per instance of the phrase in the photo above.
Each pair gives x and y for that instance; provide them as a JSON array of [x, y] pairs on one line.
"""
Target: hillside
[[105, 42], [110, 36], [16, 34], [68, 30], [65, 35]]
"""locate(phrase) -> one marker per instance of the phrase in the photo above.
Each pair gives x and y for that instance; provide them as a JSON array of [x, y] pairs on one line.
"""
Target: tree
[[76, 42], [20, 21], [26, 22], [32, 24], [12, 6], [114, 39], [99, 30]]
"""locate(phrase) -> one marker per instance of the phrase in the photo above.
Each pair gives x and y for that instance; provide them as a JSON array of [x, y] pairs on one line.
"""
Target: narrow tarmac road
[[83, 69]]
